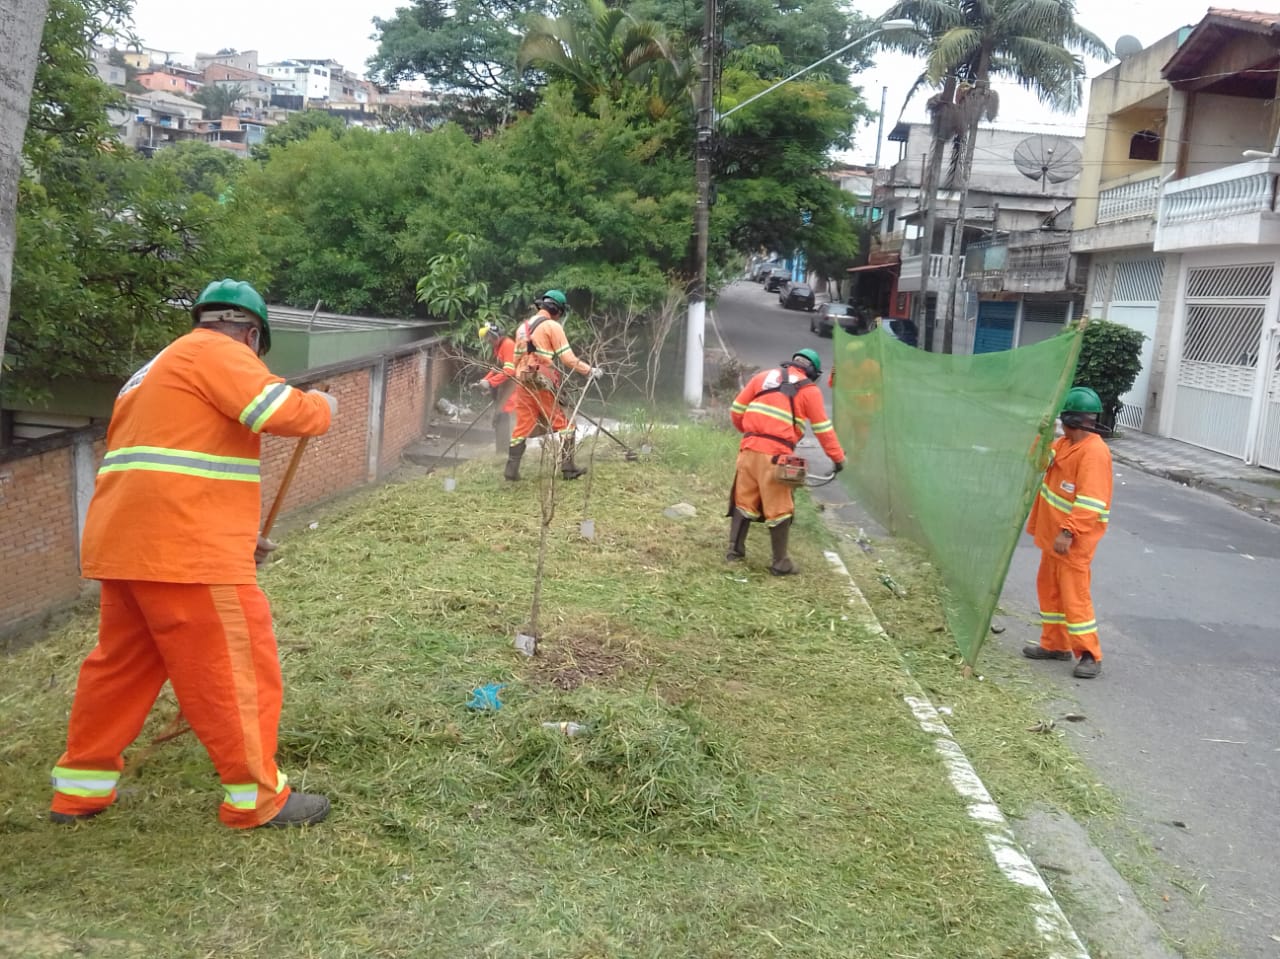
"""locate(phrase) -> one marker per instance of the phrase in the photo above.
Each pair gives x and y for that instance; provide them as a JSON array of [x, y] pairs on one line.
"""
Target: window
[[1144, 145]]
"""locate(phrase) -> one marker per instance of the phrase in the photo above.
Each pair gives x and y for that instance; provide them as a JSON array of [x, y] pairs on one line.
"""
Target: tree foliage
[[218, 101], [465, 45], [1110, 361], [107, 242]]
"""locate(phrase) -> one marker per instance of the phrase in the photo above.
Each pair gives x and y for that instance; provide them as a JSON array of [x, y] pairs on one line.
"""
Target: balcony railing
[[1130, 201], [909, 278], [1236, 190]]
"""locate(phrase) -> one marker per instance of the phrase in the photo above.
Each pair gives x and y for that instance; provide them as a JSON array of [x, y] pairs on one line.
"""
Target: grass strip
[[751, 784]]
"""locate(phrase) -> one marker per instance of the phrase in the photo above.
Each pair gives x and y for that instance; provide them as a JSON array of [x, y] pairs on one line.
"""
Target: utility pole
[[884, 95], [695, 329]]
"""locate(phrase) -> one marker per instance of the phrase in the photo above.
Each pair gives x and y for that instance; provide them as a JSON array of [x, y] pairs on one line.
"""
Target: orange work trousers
[[216, 645], [1067, 623], [537, 412], [756, 494]]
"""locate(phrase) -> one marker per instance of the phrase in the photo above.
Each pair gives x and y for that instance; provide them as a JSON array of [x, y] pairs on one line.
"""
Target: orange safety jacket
[[773, 422], [540, 342], [1075, 495], [504, 355], [178, 496]]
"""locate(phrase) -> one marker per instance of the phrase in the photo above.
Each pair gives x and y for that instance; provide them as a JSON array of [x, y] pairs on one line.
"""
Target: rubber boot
[[515, 452], [300, 809], [502, 432], [568, 469], [739, 526], [778, 536]]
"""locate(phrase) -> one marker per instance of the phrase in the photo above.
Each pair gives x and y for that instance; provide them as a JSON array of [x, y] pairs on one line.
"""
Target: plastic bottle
[[569, 729]]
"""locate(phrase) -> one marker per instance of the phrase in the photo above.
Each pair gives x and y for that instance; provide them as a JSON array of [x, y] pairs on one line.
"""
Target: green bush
[[1110, 360]]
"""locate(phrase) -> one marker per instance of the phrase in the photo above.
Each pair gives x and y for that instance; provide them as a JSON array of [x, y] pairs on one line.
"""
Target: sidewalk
[[1251, 488]]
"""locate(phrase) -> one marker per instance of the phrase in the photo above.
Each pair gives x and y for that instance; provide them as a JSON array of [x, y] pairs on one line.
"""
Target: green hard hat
[[237, 293], [558, 297], [1081, 399], [812, 356]]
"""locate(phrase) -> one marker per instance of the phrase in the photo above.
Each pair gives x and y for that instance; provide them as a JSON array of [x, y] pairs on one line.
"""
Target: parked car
[[778, 276], [823, 322], [904, 331], [760, 271], [797, 296]]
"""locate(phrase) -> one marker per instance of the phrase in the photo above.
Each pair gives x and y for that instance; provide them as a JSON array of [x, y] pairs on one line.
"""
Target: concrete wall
[[1129, 97], [1222, 128], [45, 488]]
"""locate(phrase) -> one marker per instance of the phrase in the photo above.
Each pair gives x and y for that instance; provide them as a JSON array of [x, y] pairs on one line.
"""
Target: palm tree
[[1035, 43], [604, 56], [20, 48]]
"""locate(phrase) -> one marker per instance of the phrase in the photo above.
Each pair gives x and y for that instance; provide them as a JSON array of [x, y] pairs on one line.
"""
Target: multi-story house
[[1180, 224], [256, 89], [112, 74], [996, 308], [325, 80], [167, 81], [248, 60], [154, 120]]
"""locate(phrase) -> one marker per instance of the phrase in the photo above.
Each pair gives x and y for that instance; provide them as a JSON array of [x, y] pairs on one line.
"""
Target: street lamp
[[695, 328]]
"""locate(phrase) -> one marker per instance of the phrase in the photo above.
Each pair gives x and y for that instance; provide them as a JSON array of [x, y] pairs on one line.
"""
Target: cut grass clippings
[[750, 784]]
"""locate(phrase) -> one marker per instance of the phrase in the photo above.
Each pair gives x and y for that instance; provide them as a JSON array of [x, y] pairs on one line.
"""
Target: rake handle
[[284, 485]]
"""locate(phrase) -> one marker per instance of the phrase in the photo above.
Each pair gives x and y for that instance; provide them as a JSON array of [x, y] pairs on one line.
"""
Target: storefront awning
[[872, 266]]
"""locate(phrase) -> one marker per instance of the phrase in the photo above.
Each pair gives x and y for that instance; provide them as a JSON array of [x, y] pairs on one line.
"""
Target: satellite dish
[[1048, 159], [1127, 47]]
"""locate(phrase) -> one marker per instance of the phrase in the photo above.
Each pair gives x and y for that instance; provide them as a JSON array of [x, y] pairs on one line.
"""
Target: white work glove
[[481, 385], [263, 550], [595, 373], [328, 398]]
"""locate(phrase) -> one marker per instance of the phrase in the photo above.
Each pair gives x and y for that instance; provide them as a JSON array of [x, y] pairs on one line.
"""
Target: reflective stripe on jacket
[[768, 415], [178, 495], [1075, 494]]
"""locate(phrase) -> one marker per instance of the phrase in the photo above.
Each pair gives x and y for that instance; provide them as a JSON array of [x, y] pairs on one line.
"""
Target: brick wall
[[383, 402], [38, 554]]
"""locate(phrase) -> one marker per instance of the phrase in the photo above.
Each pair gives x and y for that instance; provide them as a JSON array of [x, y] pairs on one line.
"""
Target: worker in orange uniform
[[540, 344], [172, 533], [771, 413], [1068, 519], [499, 382]]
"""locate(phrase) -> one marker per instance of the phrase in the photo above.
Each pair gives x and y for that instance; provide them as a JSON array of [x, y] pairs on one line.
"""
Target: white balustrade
[[1129, 201], [1239, 189]]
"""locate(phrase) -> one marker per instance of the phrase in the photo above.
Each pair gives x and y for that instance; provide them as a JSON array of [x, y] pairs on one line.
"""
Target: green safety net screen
[[948, 451]]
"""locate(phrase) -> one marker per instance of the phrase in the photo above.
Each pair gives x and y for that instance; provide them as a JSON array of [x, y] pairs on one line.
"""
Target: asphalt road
[[1183, 722]]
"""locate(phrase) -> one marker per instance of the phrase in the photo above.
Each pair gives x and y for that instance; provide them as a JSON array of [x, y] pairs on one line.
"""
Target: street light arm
[[889, 27]]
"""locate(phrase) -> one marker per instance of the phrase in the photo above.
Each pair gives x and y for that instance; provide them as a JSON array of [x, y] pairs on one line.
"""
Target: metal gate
[[1225, 308], [995, 326], [1135, 302], [1269, 430]]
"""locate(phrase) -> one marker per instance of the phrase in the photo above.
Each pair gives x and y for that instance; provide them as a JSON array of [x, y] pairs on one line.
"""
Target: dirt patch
[[570, 661]]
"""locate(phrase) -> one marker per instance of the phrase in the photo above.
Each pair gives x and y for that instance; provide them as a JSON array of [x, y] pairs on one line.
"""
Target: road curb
[[1009, 856], [1264, 509]]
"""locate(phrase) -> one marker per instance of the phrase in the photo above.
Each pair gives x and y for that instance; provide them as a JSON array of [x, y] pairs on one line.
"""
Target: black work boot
[[1036, 651], [502, 432], [300, 809], [778, 536], [739, 526], [1087, 668], [568, 468], [515, 452]]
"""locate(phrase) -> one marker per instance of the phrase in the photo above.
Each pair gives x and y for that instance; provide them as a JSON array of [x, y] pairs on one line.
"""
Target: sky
[[303, 28]]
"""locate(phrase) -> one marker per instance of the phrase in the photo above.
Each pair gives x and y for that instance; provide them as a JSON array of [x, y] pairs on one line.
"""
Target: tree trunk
[[21, 26], [939, 116], [957, 237], [929, 196]]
